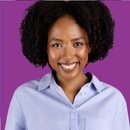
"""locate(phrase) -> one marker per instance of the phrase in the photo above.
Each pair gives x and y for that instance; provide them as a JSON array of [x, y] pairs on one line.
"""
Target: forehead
[[66, 26]]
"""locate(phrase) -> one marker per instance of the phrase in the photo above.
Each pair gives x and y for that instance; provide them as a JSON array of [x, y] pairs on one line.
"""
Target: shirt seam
[[22, 111], [120, 115]]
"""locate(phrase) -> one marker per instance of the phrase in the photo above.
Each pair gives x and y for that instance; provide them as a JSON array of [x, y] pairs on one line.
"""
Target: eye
[[56, 45], [78, 44]]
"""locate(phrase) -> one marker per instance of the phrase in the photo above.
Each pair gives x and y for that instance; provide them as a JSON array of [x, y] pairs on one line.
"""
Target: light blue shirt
[[42, 105]]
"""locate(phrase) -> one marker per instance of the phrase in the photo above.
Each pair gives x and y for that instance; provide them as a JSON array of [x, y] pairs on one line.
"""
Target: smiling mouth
[[68, 67]]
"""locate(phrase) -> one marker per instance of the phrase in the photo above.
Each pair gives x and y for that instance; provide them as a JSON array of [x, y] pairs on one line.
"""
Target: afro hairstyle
[[93, 16]]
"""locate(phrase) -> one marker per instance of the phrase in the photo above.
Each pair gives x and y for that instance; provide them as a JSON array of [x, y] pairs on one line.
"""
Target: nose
[[67, 53]]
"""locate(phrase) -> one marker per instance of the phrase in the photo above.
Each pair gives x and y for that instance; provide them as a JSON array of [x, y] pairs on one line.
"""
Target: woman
[[67, 36]]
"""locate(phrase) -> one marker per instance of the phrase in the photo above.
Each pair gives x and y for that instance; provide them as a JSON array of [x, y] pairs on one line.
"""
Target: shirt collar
[[45, 81], [49, 81], [94, 81]]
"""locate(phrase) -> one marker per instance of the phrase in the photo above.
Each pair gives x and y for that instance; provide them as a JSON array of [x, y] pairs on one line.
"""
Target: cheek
[[83, 54], [53, 55]]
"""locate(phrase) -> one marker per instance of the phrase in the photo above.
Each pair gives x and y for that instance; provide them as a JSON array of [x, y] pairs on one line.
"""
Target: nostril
[[67, 57]]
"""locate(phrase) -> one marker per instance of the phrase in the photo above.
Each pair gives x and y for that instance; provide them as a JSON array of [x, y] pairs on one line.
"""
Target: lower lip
[[68, 70]]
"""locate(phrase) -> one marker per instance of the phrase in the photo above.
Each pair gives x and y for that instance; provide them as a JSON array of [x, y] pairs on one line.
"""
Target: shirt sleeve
[[15, 118], [122, 122]]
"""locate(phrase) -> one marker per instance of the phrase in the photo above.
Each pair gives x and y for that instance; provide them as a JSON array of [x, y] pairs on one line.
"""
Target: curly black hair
[[93, 16]]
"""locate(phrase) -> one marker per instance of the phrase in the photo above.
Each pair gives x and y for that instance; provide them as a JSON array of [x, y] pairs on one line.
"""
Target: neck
[[72, 86]]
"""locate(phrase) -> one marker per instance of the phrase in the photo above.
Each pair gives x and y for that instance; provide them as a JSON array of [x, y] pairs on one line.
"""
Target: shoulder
[[109, 92], [33, 86], [110, 89], [113, 93], [27, 87]]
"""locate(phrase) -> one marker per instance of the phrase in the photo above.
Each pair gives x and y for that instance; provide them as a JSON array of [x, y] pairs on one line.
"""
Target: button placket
[[74, 119]]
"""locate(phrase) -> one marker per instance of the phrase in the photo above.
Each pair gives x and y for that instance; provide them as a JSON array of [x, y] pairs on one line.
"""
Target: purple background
[[16, 69], [0, 65], [0, 58]]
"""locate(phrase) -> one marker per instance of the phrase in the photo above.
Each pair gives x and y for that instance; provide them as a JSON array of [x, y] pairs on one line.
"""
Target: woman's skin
[[67, 50]]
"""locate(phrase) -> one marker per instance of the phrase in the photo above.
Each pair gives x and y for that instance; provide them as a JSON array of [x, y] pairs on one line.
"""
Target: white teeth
[[69, 66]]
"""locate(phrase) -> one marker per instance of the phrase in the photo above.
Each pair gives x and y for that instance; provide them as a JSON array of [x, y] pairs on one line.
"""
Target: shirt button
[[73, 110]]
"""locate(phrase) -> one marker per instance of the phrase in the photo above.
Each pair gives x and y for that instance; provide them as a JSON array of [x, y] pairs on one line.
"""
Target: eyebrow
[[56, 39]]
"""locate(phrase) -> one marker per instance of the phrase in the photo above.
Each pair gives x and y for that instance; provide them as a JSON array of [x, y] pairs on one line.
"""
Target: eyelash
[[57, 44], [79, 43]]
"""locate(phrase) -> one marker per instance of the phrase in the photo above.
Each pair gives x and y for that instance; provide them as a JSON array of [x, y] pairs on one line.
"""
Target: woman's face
[[67, 48]]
